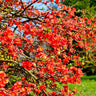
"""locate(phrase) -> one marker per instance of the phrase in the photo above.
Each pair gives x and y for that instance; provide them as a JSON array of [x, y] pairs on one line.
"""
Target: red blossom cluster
[[16, 89], [28, 65], [44, 48]]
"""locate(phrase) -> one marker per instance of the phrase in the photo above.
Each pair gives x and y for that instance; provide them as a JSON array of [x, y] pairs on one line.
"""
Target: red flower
[[53, 94], [57, 1], [3, 80], [31, 49], [52, 1], [66, 60], [32, 85], [30, 41], [28, 65], [8, 0], [2, 74], [12, 93], [80, 44], [40, 49], [22, 78], [0, 18], [17, 86], [64, 7], [18, 41], [42, 87], [2, 93], [74, 91], [29, 89]]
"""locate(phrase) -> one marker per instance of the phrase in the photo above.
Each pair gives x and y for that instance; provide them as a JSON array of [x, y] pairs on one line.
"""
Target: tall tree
[[87, 7]]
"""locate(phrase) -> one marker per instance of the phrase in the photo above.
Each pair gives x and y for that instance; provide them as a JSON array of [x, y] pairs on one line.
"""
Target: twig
[[28, 6], [22, 4], [15, 29], [20, 67]]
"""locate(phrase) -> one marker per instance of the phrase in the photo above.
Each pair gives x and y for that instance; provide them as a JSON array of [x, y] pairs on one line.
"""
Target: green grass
[[87, 86]]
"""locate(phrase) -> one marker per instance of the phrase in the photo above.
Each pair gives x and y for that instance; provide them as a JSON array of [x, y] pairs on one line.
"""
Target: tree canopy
[[87, 7]]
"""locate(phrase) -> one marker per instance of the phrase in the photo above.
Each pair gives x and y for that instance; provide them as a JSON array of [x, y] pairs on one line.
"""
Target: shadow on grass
[[93, 77]]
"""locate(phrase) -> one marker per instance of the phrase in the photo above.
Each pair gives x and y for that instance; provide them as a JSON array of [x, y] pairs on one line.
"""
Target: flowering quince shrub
[[39, 48]]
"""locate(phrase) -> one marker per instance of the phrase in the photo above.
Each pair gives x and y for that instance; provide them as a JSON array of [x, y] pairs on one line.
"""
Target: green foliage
[[89, 60], [86, 6]]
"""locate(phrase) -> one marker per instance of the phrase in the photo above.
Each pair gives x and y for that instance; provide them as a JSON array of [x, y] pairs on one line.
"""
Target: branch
[[32, 19], [22, 68], [74, 4], [28, 6], [15, 29], [22, 4]]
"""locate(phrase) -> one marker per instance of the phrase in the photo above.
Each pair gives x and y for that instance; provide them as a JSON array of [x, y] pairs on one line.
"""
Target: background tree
[[87, 7]]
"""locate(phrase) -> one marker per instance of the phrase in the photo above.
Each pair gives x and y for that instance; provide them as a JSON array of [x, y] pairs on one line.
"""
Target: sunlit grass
[[87, 86]]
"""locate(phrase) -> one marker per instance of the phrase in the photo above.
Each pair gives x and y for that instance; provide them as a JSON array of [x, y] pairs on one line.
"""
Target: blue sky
[[40, 5]]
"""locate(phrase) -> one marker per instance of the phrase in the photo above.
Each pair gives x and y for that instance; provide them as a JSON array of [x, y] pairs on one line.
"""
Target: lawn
[[87, 86]]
